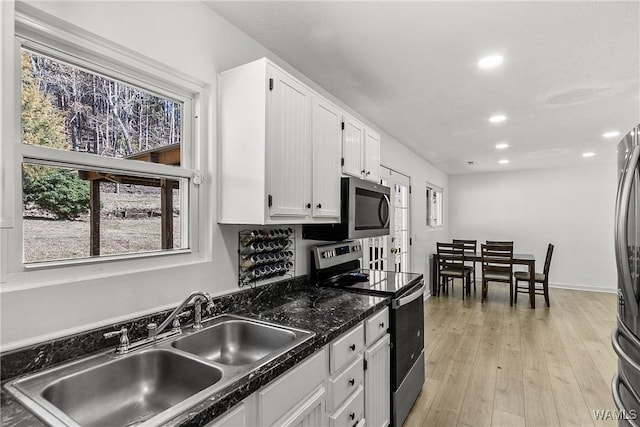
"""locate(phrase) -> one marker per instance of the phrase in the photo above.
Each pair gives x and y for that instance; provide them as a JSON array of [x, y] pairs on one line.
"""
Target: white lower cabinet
[[377, 383], [309, 413], [240, 416], [284, 396]]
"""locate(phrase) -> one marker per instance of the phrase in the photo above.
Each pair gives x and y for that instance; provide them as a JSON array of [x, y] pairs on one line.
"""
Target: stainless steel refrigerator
[[626, 337]]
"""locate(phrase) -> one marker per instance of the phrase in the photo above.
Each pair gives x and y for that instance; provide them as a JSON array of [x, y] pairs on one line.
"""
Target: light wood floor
[[495, 365]]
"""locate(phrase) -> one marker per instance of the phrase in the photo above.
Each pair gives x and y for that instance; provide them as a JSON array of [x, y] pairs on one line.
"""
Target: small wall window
[[435, 210]]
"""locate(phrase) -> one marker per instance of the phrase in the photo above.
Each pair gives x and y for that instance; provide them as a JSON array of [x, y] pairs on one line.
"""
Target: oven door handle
[[399, 302]]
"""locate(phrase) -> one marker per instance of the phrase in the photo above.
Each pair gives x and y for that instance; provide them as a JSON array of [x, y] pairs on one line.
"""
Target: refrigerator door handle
[[615, 387], [621, 243], [618, 348]]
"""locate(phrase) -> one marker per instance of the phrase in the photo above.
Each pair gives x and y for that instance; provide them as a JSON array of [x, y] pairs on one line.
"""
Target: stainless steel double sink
[[154, 384]]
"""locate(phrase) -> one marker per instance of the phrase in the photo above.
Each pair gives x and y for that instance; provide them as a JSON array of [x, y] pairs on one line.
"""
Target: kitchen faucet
[[198, 297]]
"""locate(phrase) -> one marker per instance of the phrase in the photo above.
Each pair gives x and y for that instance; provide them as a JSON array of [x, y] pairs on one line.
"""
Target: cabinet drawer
[[285, 392], [345, 383], [351, 413], [376, 326], [346, 348]]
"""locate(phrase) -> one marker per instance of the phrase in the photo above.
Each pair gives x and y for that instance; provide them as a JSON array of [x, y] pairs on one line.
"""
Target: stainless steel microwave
[[364, 212]]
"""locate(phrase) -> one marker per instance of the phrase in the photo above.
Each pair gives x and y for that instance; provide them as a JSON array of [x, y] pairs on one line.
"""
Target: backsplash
[[51, 353]]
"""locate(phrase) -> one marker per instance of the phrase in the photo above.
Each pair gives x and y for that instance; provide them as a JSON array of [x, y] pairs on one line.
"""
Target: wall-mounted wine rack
[[265, 254]]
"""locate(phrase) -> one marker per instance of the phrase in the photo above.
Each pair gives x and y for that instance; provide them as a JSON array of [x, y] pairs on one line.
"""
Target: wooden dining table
[[527, 260]]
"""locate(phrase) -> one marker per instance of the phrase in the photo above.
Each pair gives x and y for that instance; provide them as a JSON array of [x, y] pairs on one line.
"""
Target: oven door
[[407, 317]]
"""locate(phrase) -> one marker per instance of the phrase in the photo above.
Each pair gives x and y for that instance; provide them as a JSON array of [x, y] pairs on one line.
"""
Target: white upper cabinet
[[288, 154], [327, 143], [279, 149], [352, 146], [360, 150], [371, 156]]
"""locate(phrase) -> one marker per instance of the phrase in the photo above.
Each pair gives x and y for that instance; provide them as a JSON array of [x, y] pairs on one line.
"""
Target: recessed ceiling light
[[503, 161], [611, 134], [502, 145], [491, 61], [588, 154], [498, 118]]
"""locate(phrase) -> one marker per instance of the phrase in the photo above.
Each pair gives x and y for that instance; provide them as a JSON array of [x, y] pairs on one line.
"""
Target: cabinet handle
[[362, 171], [352, 416], [382, 324], [319, 206], [368, 173], [352, 347], [352, 381], [308, 205]]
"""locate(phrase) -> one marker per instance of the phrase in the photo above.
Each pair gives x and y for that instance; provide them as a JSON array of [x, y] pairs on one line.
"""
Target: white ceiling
[[570, 73]]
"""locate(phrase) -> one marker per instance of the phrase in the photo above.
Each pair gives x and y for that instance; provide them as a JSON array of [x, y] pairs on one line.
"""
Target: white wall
[[191, 38], [572, 208]]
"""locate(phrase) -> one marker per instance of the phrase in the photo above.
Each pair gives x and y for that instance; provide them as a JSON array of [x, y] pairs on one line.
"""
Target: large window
[[105, 155], [434, 206]]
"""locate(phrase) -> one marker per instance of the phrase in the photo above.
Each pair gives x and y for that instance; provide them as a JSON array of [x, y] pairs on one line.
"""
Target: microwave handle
[[385, 221]]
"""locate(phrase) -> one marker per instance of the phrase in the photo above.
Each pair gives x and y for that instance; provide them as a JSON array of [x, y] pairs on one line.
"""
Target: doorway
[[392, 252]]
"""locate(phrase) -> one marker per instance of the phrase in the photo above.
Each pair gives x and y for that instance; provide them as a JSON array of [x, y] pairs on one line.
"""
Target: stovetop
[[338, 264], [386, 283]]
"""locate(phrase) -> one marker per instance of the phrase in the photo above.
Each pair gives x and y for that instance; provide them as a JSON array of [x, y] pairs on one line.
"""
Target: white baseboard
[[588, 288]]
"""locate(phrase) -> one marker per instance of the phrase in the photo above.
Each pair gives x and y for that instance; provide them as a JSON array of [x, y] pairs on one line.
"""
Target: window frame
[[47, 35], [431, 188]]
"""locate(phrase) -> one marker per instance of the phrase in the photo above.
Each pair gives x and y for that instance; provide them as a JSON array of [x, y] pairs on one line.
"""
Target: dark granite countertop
[[326, 311]]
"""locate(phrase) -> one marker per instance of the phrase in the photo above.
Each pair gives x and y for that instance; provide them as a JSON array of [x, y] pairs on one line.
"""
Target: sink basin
[[237, 341], [162, 379], [125, 391]]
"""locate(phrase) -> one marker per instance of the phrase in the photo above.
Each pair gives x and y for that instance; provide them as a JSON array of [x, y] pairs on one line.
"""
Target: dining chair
[[500, 242], [470, 247], [451, 266], [542, 278], [497, 266]]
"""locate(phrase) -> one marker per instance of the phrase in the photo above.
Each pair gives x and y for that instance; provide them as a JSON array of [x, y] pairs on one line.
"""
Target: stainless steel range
[[338, 265]]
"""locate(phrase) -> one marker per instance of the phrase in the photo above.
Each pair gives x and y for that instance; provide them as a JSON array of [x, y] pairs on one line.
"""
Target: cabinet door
[[352, 145], [327, 142], [283, 395], [309, 413], [372, 156], [236, 417], [377, 383], [288, 153]]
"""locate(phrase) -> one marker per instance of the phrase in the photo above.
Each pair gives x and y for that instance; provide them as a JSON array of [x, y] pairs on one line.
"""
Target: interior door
[[392, 252]]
